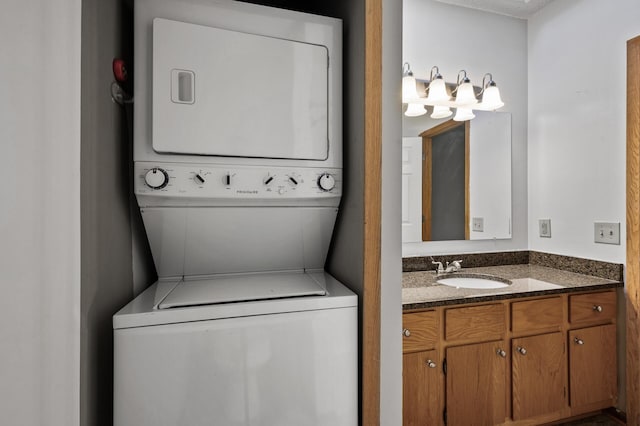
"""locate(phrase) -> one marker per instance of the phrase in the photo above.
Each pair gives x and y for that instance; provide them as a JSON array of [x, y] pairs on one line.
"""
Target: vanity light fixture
[[465, 98], [465, 95], [491, 95], [415, 110], [437, 92], [437, 87], [410, 93], [463, 114], [440, 111]]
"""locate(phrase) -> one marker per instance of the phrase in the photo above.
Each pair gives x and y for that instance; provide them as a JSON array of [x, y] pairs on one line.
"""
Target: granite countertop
[[420, 290]]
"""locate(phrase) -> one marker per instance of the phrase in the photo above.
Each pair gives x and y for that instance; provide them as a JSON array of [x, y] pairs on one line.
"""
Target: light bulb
[[415, 110], [437, 90], [441, 112], [409, 91], [463, 114], [491, 99], [465, 94]]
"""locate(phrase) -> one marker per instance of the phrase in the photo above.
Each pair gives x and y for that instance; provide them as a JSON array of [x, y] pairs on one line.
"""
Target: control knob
[[199, 179], [326, 182], [156, 178]]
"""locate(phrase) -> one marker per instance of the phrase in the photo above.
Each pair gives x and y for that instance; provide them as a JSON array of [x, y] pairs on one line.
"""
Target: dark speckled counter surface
[[420, 289]]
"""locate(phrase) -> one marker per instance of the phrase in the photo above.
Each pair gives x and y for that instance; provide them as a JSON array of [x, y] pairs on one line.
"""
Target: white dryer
[[238, 175]]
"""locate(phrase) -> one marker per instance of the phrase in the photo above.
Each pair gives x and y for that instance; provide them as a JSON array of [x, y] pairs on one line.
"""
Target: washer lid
[[241, 288], [143, 310]]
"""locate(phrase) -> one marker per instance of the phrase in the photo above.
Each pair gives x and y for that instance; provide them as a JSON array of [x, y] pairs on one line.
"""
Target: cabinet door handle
[[406, 332], [502, 353], [578, 341], [522, 350], [597, 308], [431, 364]]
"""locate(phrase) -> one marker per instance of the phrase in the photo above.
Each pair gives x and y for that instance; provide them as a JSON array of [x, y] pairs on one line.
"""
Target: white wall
[[40, 212], [577, 123], [391, 263], [455, 38], [490, 174]]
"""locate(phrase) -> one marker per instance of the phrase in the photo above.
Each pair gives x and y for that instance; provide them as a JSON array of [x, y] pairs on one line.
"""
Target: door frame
[[427, 144], [632, 281], [370, 353]]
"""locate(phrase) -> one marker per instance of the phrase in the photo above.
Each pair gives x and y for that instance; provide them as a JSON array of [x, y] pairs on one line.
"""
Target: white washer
[[282, 362], [238, 176]]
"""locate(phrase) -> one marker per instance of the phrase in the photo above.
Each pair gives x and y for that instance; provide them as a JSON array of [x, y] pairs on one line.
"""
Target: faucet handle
[[456, 264], [439, 264]]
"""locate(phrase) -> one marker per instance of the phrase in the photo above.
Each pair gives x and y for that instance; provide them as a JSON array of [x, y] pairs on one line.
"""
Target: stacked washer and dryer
[[238, 176]]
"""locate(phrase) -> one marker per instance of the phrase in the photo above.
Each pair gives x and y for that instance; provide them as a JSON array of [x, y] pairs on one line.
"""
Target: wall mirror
[[456, 179], [482, 42]]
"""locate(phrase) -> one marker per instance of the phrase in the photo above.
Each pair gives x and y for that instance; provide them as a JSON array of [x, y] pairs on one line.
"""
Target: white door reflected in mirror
[[485, 179]]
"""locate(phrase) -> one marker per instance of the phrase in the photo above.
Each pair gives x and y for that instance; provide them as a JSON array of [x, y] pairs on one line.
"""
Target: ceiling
[[523, 9]]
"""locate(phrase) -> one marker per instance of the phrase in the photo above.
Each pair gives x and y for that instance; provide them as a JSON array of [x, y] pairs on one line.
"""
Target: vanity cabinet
[[421, 370], [592, 356], [516, 361], [476, 387], [538, 375], [538, 362], [419, 331], [592, 350], [421, 374]]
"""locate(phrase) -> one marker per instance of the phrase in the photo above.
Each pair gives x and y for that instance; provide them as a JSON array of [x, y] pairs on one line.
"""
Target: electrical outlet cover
[[545, 228], [477, 224], [606, 232]]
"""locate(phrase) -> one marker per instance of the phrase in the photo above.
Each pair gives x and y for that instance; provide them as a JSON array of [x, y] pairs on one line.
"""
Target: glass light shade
[[465, 94], [409, 91], [437, 90], [441, 112], [415, 110], [463, 114], [491, 98]]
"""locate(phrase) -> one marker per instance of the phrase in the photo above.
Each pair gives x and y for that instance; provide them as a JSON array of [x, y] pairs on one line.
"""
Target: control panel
[[236, 182]]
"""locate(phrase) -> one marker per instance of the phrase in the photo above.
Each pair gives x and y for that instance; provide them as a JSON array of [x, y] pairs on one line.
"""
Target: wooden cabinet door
[[476, 384], [592, 360], [538, 375], [421, 376]]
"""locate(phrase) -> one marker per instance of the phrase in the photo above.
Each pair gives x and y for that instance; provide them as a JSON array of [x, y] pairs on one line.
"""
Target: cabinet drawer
[[593, 307], [486, 322], [536, 314], [420, 331]]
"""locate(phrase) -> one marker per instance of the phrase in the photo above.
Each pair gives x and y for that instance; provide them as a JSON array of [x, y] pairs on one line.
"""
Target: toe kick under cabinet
[[522, 361]]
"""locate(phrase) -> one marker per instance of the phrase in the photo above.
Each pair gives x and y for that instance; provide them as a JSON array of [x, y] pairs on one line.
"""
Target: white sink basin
[[476, 281]]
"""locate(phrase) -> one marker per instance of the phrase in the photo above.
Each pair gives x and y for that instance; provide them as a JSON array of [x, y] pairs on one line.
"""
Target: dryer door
[[228, 93]]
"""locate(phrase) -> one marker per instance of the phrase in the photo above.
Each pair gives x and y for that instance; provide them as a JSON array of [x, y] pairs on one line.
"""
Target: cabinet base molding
[[609, 412], [616, 414]]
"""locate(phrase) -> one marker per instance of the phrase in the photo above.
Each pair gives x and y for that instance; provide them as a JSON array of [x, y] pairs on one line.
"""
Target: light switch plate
[[606, 232], [477, 224], [545, 228]]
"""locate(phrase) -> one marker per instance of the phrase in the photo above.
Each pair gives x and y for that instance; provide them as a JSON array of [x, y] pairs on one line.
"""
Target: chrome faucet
[[454, 266]]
